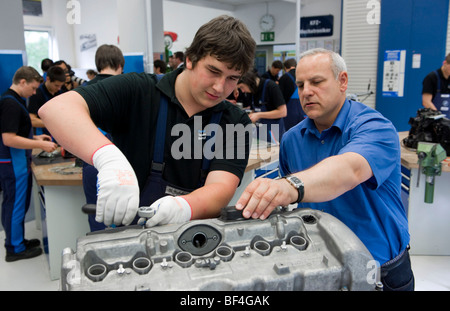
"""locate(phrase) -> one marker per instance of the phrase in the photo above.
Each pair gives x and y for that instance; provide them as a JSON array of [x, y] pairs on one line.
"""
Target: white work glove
[[117, 187], [167, 210]]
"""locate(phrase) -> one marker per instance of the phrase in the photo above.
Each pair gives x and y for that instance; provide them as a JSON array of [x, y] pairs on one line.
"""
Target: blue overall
[[15, 178], [266, 126], [156, 186], [441, 101], [90, 189], [295, 112]]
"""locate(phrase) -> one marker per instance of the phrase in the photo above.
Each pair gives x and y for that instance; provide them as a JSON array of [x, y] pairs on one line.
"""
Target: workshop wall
[[11, 38], [11, 27], [412, 43], [54, 18]]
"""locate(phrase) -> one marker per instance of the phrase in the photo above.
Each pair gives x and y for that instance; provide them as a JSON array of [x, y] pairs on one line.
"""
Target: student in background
[[46, 91], [177, 60], [436, 89], [72, 81], [91, 73], [159, 67], [46, 63], [289, 89], [273, 71], [16, 142], [267, 105]]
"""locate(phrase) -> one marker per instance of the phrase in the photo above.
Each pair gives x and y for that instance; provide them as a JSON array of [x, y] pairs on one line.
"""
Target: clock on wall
[[267, 22]]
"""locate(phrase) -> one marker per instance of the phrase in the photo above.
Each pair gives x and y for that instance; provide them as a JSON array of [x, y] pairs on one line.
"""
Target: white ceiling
[[229, 4], [241, 2]]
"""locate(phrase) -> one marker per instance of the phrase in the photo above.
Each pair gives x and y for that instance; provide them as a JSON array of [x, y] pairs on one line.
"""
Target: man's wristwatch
[[297, 184]]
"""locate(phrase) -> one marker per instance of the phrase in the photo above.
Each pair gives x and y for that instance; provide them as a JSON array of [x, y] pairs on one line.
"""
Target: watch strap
[[297, 185]]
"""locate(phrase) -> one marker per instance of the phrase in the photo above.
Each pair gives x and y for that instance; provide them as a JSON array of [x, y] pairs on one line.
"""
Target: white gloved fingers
[[154, 221], [161, 214], [119, 213], [170, 210], [132, 208], [118, 189], [110, 207], [99, 210]]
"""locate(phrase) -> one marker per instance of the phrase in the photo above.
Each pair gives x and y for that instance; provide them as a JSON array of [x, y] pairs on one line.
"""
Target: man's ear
[[343, 81], [188, 63]]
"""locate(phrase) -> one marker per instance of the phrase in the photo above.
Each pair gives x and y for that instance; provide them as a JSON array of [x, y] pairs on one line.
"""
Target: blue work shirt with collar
[[373, 210]]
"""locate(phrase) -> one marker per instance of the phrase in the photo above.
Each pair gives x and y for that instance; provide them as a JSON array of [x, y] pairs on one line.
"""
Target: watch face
[[267, 22], [295, 181]]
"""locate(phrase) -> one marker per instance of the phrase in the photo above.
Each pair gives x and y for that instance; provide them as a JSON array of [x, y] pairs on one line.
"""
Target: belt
[[395, 261]]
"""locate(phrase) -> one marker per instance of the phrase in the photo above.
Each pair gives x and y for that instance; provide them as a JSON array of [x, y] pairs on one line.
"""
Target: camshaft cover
[[299, 250]]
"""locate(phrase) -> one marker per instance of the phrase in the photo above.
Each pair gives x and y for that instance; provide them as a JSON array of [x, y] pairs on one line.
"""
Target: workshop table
[[58, 199], [428, 222]]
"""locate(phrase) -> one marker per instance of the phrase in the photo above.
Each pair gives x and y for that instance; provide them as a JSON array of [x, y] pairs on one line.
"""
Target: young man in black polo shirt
[[16, 142], [130, 107], [436, 89], [50, 88]]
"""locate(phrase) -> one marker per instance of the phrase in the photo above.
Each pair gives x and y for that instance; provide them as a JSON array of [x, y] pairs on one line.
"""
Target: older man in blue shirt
[[343, 159]]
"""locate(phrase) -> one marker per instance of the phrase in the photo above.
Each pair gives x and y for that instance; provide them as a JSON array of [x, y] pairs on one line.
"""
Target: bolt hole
[[309, 219]]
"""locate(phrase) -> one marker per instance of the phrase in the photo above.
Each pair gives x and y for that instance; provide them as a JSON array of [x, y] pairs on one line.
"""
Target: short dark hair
[[277, 64], [56, 73], [28, 73], [289, 63], [227, 39], [46, 63], [91, 72], [249, 78], [179, 55], [160, 64], [109, 55], [447, 58]]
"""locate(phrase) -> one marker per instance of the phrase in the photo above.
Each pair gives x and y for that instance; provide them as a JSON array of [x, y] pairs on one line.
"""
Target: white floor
[[432, 273]]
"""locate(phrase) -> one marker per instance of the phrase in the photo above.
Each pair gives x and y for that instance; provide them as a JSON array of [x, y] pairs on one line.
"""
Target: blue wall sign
[[316, 26]]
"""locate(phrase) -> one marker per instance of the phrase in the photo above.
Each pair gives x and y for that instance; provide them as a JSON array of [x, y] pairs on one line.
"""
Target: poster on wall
[[32, 7], [88, 41], [394, 73]]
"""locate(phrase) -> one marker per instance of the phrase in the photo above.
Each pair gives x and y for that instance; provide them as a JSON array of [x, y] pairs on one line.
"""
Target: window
[[38, 46]]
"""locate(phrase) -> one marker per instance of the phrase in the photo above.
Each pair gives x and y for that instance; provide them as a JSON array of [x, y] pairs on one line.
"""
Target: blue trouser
[[397, 274], [90, 192], [15, 177]]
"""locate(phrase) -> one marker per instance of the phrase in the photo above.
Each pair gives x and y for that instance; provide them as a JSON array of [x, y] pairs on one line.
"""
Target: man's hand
[[46, 143], [263, 195], [169, 210], [117, 187]]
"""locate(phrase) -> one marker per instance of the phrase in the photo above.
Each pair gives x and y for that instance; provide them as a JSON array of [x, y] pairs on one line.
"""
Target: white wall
[[118, 22], [125, 19], [54, 18], [98, 18], [185, 20], [360, 49], [178, 17], [11, 28]]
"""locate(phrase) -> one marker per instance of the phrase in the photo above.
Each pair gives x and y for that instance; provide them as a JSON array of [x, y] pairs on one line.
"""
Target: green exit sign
[[267, 36]]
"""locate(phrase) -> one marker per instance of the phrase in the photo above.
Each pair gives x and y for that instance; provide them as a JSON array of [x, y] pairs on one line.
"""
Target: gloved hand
[[167, 210], [117, 187]]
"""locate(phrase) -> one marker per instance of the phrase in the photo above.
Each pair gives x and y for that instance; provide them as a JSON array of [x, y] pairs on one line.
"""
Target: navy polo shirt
[[373, 210]]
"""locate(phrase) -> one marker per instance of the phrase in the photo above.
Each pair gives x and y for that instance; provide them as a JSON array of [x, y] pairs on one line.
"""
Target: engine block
[[303, 249]]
